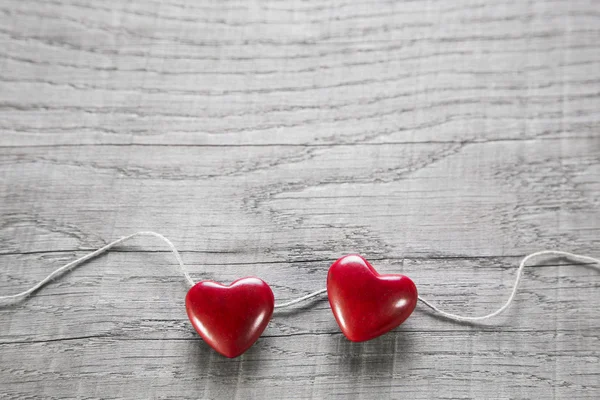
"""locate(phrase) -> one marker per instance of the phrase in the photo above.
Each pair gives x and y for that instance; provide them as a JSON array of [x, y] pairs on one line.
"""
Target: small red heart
[[230, 318], [366, 304]]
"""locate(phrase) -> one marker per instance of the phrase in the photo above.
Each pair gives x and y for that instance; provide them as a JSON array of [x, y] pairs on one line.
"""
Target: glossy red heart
[[230, 318], [366, 304]]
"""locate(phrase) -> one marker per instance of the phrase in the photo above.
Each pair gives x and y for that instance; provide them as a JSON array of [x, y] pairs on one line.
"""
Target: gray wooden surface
[[442, 140]]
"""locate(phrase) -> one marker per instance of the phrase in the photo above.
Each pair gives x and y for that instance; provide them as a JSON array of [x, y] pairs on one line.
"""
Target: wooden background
[[443, 140]]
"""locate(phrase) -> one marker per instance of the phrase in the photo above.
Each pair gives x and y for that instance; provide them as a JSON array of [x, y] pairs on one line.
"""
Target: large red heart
[[366, 304], [230, 318]]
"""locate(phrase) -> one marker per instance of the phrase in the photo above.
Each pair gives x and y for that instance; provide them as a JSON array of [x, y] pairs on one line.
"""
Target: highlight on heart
[[365, 304]]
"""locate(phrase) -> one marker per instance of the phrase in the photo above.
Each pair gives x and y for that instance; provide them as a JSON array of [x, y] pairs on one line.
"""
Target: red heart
[[366, 304], [230, 318]]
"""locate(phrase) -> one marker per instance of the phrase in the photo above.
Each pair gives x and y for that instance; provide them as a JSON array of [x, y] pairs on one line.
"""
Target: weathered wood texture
[[443, 140]]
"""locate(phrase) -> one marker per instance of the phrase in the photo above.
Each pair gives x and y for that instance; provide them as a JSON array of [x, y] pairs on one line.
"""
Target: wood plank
[[292, 203], [478, 364], [396, 72]]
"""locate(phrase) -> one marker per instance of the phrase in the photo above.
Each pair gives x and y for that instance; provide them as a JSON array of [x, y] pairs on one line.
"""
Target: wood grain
[[442, 140]]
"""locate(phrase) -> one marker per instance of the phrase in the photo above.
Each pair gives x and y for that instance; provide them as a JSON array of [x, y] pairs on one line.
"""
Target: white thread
[[301, 299], [93, 254], [462, 318], [451, 316]]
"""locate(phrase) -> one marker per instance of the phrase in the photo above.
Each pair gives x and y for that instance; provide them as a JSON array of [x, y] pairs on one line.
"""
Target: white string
[[301, 299], [93, 254], [463, 318], [189, 280]]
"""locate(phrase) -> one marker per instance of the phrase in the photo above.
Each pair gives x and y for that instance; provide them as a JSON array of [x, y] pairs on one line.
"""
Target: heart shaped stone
[[366, 304], [230, 318]]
